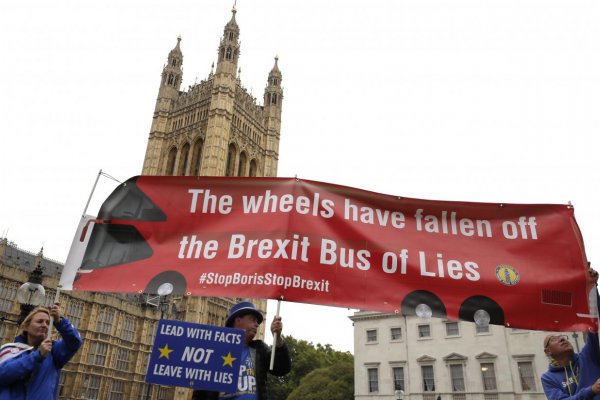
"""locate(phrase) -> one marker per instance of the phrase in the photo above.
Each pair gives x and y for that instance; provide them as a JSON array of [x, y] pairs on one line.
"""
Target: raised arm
[[63, 350]]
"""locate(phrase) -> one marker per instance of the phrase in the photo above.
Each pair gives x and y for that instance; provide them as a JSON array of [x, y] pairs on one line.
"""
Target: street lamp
[[31, 294], [575, 336], [163, 292]]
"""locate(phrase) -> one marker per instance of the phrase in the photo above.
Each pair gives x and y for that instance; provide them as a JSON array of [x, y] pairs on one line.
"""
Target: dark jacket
[[29, 376], [262, 358]]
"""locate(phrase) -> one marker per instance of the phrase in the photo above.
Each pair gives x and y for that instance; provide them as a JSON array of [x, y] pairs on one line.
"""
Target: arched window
[[228, 54], [171, 161], [242, 164], [230, 166], [197, 157], [183, 158], [253, 168], [274, 98], [171, 79], [174, 62]]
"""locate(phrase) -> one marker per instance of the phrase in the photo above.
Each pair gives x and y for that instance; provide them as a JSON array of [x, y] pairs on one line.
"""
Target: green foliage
[[306, 358], [335, 382]]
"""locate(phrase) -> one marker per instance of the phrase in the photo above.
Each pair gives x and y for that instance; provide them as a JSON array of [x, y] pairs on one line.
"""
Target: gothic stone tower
[[215, 128]]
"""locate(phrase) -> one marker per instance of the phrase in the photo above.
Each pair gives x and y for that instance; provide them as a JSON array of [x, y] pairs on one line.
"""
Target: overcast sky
[[493, 101]]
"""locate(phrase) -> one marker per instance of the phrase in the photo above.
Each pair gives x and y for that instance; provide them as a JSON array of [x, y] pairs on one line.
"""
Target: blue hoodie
[[581, 374], [576, 379], [31, 377]]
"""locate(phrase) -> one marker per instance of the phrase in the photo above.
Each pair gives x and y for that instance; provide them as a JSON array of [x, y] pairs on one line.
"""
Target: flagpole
[[92, 193], [598, 314], [67, 274], [594, 275], [275, 335]]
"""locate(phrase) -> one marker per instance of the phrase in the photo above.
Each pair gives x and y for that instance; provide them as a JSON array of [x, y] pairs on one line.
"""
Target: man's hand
[[55, 312], [45, 347], [596, 387], [276, 328], [592, 273]]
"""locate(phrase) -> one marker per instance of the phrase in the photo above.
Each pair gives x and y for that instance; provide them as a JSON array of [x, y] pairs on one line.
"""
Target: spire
[[232, 24], [229, 47], [273, 91], [176, 52], [173, 72], [275, 73], [39, 257], [170, 79], [273, 101]]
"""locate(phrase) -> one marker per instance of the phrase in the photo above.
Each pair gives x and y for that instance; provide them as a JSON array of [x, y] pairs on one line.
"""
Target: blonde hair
[[25, 324]]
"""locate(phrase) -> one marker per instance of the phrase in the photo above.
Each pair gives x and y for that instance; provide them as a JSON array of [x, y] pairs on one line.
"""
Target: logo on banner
[[196, 356], [507, 275]]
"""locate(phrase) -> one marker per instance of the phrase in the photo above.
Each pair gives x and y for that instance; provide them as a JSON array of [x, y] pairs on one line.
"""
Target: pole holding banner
[[598, 311], [594, 297], [56, 300], [275, 335], [92, 193], [80, 241]]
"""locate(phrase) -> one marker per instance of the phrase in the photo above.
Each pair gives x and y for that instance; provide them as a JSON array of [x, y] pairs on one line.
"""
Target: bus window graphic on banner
[[508, 264]]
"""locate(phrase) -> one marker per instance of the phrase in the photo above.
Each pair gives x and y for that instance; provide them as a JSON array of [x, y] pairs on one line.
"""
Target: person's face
[[558, 345], [249, 324], [37, 329]]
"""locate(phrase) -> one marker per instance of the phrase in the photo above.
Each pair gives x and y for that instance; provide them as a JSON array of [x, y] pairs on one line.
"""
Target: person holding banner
[[256, 355], [572, 374], [30, 367]]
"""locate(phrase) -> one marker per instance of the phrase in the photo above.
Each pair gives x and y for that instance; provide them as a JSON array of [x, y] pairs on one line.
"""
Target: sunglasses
[[554, 339]]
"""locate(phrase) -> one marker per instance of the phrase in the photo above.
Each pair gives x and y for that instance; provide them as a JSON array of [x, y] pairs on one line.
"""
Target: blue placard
[[196, 356]]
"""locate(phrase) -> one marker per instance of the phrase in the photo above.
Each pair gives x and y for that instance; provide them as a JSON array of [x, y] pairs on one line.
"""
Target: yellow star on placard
[[164, 352], [228, 360]]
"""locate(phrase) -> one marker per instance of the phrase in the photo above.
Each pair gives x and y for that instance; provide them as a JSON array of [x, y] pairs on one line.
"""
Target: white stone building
[[412, 358]]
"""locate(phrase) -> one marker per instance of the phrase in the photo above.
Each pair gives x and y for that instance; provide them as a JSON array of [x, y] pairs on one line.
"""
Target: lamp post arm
[[3, 319]]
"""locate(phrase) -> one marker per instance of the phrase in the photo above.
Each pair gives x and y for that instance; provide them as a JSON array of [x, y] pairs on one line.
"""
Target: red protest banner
[[518, 265]]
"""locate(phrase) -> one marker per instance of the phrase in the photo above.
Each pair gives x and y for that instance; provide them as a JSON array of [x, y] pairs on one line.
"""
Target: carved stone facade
[[215, 128]]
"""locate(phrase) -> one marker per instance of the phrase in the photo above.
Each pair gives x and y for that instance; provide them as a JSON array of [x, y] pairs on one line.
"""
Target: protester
[[570, 374], [256, 356], [30, 367]]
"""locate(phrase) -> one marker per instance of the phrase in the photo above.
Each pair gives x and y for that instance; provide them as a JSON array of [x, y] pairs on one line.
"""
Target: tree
[[335, 382], [306, 357]]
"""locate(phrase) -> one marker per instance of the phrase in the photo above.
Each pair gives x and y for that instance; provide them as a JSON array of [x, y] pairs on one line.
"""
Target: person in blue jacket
[[30, 367], [570, 374]]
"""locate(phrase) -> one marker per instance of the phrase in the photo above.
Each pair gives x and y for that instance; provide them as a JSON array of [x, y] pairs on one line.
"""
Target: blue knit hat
[[241, 309]]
